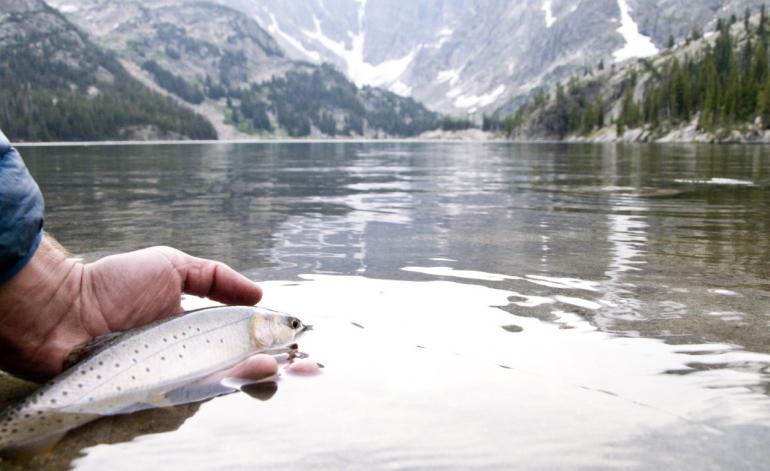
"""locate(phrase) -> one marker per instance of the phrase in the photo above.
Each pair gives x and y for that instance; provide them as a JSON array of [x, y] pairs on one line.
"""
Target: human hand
[[55, 304]]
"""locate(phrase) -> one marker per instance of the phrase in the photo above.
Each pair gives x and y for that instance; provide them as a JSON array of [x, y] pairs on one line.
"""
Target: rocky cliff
[[475, 56]]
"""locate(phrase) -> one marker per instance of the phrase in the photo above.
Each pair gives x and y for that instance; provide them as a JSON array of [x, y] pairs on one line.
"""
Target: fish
[[144, 367]]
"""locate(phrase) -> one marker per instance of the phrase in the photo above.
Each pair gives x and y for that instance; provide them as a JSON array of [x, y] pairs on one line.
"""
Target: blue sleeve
[[21, 212]]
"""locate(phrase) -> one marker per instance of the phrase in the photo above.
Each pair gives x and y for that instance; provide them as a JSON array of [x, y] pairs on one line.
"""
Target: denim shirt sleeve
[[21, 212]]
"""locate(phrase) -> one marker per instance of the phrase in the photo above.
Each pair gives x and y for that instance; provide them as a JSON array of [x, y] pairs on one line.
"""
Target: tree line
[[90, 98], [723, 85], [324, 99]]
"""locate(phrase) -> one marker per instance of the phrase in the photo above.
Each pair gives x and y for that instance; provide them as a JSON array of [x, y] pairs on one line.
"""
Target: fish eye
[[295, 323]]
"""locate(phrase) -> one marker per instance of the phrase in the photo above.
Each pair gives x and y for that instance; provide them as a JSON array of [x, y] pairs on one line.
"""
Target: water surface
[[489, 306]]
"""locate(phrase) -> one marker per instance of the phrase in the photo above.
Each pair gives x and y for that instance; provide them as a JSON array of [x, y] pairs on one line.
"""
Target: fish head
[[275, 330]]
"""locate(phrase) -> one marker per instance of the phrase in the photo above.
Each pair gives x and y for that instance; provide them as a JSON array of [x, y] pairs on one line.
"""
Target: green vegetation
[[324, 99], [450, 123], [56, 85], [724, 84], [174, 83]]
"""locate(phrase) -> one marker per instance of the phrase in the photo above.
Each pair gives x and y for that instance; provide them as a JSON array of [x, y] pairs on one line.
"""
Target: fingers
[[304, 367], [255, 368], [214, 280]]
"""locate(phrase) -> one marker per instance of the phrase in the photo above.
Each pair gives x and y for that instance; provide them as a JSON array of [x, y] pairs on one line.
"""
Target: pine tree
[[747, 20], [760, 66], [764, 105], [696, 33], [710, 113], [680, 108], [732, 97], [599, 107]]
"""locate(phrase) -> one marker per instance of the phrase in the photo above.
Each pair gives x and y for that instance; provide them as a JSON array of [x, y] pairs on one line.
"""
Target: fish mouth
[[305, 328]]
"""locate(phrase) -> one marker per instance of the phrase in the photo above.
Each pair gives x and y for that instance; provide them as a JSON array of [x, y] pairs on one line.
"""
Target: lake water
[[476, 306]]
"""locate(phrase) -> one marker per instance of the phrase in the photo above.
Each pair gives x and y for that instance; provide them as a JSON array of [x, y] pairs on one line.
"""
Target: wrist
[[35, 307]]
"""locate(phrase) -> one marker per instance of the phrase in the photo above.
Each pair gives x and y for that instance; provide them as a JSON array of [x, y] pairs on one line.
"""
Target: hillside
[[222, 63], [714, 89], [55, 84]]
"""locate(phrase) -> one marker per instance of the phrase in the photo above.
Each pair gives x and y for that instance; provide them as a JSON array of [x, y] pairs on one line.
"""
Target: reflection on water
[[421, 385], [476, 305]]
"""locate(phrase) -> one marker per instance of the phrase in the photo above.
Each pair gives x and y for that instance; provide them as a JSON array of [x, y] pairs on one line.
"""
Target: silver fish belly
[[138, 368]]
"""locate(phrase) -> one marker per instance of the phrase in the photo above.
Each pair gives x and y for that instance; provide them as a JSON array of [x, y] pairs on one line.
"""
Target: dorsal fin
[[90, 348]]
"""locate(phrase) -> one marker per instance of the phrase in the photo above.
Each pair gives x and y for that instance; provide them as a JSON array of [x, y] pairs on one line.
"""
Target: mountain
[[474, 56], [222, 63], [55, 84], [712, 88]]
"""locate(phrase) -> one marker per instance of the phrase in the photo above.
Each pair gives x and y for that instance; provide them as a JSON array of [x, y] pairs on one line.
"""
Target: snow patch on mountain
[[68, 9], [275, 30], [549, 19], [443, 37], [451, 76], [360, 71], [473, 102], [400, 88], [637, 44]]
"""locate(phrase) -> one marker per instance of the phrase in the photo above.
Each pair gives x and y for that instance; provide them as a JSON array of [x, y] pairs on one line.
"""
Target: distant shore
[[604, 136]]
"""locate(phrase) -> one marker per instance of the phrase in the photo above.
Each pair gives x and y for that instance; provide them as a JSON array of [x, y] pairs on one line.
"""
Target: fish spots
[[180, 355], [146, 346], [512, 328], [165, 339], [117, 365], [133, 377], [147, 370], [163, 358], [136, 351], [80, 385], [98, 376]]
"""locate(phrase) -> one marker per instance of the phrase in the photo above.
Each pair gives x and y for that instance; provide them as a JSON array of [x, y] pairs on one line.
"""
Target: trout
[[141, 368]]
